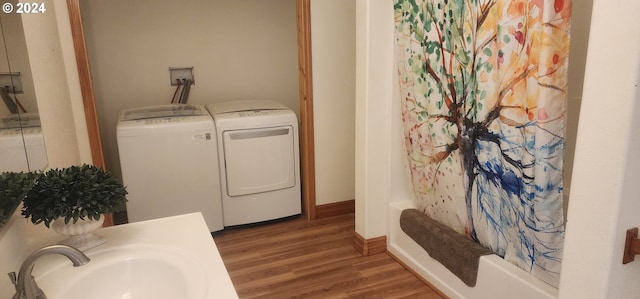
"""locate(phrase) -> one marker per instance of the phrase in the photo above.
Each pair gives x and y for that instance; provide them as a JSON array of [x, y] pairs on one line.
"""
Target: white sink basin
[[132, 272], [172, 258]]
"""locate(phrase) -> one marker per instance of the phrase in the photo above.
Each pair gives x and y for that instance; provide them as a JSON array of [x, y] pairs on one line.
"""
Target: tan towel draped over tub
[[455, 251]]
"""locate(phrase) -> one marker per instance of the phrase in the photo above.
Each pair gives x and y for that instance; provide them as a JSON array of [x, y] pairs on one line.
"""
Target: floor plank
[[297, 258]]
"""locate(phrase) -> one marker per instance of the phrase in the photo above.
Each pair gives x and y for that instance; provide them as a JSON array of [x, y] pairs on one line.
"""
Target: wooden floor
[[311, 259]]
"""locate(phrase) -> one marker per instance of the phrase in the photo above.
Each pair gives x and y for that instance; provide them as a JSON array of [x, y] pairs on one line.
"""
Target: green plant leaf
[[75, 192]]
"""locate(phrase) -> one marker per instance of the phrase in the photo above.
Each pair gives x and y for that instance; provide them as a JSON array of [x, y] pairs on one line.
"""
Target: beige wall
[[333, 58], [240, 49]]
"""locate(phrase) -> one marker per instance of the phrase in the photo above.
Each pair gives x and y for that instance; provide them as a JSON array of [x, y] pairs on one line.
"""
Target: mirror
[[21, 142]]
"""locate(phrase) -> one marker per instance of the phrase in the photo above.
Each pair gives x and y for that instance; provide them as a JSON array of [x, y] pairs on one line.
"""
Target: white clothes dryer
[[167, 166], [259, 160]]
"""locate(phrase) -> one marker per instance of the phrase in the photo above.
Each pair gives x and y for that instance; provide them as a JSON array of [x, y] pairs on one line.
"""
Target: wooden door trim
[[307, 152], [86, 86], [86, 89], [307, 159]]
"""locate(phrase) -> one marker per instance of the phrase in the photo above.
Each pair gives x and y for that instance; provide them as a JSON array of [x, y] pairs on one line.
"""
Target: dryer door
[[259, 160]]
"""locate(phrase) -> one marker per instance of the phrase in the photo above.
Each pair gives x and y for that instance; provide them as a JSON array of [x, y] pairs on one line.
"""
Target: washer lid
[[20, 120], [160, 111], [248, 105]]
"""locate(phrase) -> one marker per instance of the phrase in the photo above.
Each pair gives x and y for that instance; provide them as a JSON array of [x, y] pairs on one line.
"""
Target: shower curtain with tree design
[[484, 87]]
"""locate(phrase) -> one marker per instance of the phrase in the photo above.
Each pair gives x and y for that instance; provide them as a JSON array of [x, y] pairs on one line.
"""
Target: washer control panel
[[253, 113]]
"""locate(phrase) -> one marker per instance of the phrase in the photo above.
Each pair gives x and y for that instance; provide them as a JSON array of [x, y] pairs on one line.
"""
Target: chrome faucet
[[25, 284]]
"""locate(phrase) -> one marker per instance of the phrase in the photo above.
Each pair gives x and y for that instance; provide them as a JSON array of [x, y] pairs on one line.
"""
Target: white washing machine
[[167, 166], [22, 149], [259, 160]]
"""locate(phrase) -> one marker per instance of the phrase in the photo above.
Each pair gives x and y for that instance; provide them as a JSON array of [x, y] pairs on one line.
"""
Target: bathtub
[[497, 278]]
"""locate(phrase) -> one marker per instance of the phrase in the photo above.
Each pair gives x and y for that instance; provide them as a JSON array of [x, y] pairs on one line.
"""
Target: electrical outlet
[[181, 73], [11, 82]]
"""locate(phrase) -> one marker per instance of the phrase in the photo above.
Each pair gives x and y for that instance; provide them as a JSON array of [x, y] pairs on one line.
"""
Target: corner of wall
[[46, 48], [73, 81], [374, 64]]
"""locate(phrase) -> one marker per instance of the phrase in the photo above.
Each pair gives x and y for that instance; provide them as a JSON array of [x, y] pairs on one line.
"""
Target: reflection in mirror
[[21, 141], [13, 187]]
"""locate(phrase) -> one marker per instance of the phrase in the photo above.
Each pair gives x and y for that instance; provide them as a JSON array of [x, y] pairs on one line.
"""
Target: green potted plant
[[13, 187], [73, 200]]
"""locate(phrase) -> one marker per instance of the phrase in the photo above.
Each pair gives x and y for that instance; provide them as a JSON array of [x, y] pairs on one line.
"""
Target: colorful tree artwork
[[484, 88]]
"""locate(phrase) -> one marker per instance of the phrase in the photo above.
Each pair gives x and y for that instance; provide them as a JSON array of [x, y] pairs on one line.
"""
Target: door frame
[[307, 156], [305, 82]]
